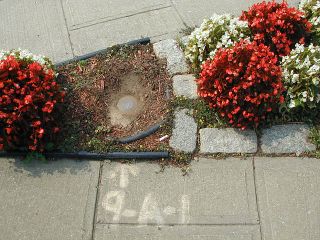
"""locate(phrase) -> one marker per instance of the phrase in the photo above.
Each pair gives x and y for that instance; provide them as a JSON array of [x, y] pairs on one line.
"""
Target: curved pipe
[[142, 41], [140, 135]]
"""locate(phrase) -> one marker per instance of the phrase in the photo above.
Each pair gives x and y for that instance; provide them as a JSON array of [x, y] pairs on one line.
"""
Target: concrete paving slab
[[288, 191], [161, 23], [47, 201], [37, 25], [214, 192], [85, 13], [288, 138], [112, 232], [227, 140], [193, 12]]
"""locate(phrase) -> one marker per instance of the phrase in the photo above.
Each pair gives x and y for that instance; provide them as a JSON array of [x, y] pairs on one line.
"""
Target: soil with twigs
[[93, 85]]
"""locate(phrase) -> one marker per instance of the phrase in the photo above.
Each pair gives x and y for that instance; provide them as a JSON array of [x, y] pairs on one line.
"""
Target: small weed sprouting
[[203, 115], [315, 136], [315, 139], [83, 63], [34, 156]]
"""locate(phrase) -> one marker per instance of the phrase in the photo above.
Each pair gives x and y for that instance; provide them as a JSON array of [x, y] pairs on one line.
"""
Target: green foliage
[[203, 115], [315, 136], [95, 144], [315, 139], [311, 8], [34, 156]]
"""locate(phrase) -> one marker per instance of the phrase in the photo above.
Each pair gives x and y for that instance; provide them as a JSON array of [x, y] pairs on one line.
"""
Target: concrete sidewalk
[[62, 29], [231, 199]]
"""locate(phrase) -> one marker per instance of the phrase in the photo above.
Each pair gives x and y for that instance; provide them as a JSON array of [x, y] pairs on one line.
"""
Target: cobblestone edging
[[289, 138]]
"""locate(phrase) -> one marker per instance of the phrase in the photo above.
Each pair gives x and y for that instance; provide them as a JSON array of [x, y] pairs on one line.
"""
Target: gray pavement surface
[[288, 193], [46, 201], [226, 199], [62, 29]]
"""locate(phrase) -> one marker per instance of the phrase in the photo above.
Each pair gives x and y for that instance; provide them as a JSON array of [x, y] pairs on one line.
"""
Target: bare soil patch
[[114, 95]]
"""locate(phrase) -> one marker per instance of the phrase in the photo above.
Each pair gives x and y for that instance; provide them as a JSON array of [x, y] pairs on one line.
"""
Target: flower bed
[[273, 77], [260, 68], [242, 83], [29, 95]]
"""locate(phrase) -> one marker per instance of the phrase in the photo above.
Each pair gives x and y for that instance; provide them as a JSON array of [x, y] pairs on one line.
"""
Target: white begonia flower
[[292, 104], [304, 94], [306, 62], [295, 78], [314, 69], [299, 48], [2, 55], [203, 44], [301, 70]]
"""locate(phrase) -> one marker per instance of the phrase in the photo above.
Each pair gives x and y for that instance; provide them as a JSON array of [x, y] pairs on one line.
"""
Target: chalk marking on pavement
[[150, 211], [124, 170], [185, 206], [113, 202]]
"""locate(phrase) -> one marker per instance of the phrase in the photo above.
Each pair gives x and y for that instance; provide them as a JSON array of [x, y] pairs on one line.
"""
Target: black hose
[[140, 135], [142, 41], [95, 156]]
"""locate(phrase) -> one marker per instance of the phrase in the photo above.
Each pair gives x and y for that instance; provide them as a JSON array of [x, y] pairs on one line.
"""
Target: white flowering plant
[[220, 31], [311, 8], [27, 57], [301, 72]]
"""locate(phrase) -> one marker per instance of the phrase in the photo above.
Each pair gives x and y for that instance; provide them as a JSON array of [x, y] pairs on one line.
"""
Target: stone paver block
[[227, 140], [47, 201], [177, 232], [184, 133], [38, 26], [160, 23], [169, 49], [83, 13], [214, 192], [289, 138], [185, 85], [288, 191]]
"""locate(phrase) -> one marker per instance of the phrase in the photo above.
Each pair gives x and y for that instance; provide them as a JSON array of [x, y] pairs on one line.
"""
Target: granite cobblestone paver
[[289, 138], [227, 140], [185, 86], [169, 49], [184, 133]]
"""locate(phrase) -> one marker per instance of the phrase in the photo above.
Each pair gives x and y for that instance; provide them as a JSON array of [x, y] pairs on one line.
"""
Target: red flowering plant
[[28, 98], [243, 84], [277, 25]]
